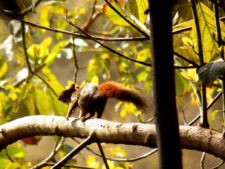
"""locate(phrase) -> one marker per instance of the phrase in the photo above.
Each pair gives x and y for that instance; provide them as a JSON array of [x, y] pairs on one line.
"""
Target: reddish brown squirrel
[[92, 98]]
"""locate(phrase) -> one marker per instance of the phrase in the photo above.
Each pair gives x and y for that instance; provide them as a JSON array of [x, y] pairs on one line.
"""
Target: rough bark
[[192, 137]]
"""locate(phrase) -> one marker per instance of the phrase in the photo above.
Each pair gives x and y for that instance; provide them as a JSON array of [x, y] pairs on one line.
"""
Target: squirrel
[[92, 98]]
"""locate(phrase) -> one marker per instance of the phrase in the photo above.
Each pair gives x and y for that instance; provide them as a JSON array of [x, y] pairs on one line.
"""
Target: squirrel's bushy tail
[[115, 90]]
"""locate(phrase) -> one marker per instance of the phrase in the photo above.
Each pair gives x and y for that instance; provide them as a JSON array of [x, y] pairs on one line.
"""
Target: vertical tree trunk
[[164, 85]]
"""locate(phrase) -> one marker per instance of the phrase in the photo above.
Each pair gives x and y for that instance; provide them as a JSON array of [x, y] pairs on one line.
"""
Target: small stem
[[202, 160], [127, 20], [58, 145], [76, 66], [103, 155], [204, 119], [76, 150], [107, 47]]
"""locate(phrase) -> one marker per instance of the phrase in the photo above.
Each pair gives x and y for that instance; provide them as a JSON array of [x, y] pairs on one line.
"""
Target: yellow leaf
[[190, 74], [92, 162]]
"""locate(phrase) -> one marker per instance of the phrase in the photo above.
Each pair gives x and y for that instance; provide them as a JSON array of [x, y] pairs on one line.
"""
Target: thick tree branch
[[192, 137]]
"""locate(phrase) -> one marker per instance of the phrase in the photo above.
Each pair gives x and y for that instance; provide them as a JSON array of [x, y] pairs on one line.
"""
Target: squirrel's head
[[65, 96]]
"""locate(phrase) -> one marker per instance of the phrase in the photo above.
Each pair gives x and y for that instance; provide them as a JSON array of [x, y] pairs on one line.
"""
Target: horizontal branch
[[192, 137]]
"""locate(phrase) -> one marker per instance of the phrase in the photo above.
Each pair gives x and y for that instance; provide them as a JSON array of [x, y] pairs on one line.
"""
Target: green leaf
[[92, 69], [181, 85], [4, 162], [3, 68], [42, 102], [52, 80], [142, 76], [143, 55], [212, 117], [58, 107], [113, 16], [27, 105], [137, 8], [208, 30], [54, 51], [13, 151]]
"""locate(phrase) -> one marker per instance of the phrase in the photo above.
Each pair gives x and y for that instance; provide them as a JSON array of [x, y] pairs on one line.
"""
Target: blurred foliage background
[[42, 51]]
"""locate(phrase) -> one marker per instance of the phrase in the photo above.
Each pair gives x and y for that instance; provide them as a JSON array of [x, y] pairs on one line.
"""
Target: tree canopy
[[45, 46]]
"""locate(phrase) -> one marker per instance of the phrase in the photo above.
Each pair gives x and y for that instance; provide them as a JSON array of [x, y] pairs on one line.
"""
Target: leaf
[[143, 55], [92, 69], [27, 105], [187, 41], [42, 102], [208, 29], [95, 80], [142, 76], [93, 162], [211, 71], [52, 80], [54, 51], [113, 16], [14, 151], [190, 74], [181, 85], [137, 8], [58, 107], [3, 68], [212, 117]]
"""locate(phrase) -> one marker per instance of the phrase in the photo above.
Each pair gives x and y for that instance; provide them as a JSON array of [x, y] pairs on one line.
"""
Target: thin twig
[[203, 120], [121, 159], [220, 42], [92, 17], [70, 166], [127, 20], [57, 147], [202, 160], [28, 62], [8, 156], [72, 153], [103, 155], [25, 48], [208, 107], [218, 165], [76, 66], [187, 60], [110, 49]]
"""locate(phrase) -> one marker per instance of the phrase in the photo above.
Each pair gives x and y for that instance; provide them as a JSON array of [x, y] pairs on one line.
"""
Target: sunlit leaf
[[52, 80], [27, 105], [55, 51], [4, 162], [92, 69], [181, 85], [3, 68], [190, 74], [92, 162], [137, 8], [143, 55], [58, 107], [113, 16], [212, 117], [142, 76], [42, 101], [127, 108], [187, 41], [95, 80], [208, 28], [14, 151]]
